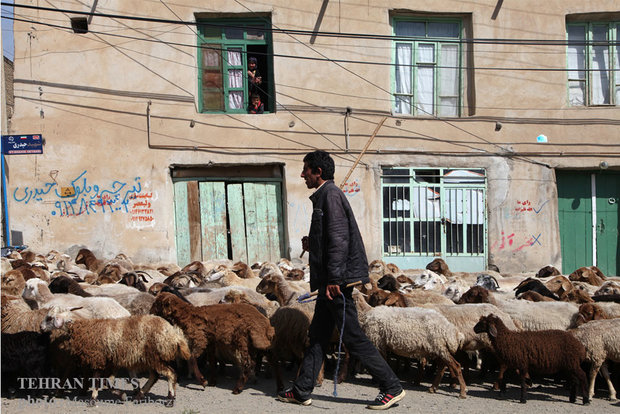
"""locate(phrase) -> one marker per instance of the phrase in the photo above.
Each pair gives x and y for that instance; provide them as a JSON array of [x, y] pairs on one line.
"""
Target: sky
[[8, 48]]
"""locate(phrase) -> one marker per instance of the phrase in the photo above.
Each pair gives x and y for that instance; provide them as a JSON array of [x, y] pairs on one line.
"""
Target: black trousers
[[327, 314]]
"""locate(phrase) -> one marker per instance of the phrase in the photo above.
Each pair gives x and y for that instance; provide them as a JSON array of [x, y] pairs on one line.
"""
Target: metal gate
[[429, 213]]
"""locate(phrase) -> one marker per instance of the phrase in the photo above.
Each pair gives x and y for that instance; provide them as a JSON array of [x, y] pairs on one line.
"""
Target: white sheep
[[602, 342], [92, 307], [538, 316], [415, 333]]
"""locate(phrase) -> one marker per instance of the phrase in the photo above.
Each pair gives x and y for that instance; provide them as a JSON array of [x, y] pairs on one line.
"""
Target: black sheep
[[542, 352], [535, 285], [64, 284]]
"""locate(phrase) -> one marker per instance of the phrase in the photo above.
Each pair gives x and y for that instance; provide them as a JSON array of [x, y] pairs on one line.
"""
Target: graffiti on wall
[[351, 188], [517, 243], [525, 206], [114, 197]]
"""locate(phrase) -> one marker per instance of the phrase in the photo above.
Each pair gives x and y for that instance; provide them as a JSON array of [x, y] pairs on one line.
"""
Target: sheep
[[104, 346], [18, 317], [454, 289], [534, 296], [64, 284], [589, 274], [537, 316], [232, 332], [590, 312], [24, 354], [135, 279], [557, 283], [13, 282], [286, 292], [93, 307], [477, 294], [487, 281], [247, 295], [600, 338], [548, 270], [88, 259], [81, 273], [415, 333], [535, 285], [544, 352], [608, 288]]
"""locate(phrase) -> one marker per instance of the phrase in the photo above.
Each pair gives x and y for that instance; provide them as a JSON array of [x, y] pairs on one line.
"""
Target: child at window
[[256, 106]]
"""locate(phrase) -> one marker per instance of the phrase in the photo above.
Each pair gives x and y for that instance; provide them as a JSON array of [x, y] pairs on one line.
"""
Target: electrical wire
[[551, 42]]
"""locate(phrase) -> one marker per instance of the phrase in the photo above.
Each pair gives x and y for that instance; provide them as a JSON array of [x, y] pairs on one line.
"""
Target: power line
[[323, 58], [550, 42]]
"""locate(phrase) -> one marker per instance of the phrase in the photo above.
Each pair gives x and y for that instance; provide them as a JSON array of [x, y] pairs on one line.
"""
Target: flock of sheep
[[90, 318]]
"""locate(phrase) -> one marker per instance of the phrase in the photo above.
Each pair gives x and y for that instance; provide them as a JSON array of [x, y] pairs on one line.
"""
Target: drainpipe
[[148, 123], [347, 114]]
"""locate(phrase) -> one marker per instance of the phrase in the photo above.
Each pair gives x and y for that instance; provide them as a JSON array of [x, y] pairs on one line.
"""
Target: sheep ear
[[492, 331], [74, 309], [390, 301]]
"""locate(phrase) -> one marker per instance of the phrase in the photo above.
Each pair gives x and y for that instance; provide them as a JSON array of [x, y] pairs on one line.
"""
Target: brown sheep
[[589, 274], [440, 267], [558, 283], [477, 294], [13, 282], [542, 352], [88, 259], [242, 270], [548, 271], [590, 312], [232, 332], [534, 296]]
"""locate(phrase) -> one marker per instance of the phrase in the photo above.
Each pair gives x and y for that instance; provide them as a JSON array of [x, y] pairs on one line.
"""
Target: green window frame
[[593, 63], [427, 76], [224, 46]]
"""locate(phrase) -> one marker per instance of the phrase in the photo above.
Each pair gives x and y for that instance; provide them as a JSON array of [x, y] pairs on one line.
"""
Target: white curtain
[[235, 79], [402, 105], [234, 57], [449, 84], [600, 67], [235, 99], [576, 61], [425, 80]]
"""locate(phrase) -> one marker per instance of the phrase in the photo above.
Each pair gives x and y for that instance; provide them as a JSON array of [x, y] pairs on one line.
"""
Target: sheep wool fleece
[[338, 256]]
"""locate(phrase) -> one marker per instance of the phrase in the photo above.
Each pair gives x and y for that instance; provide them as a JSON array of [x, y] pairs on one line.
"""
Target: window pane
[[403, 68], [576, 52], [600, 66], [448, 106], [410, 29], [211, 31], [402, 104], [576, 92], [617, 65], [235, 99], [449, 72], [211, 57], [426, 53], [255, 34], [213, 100], [436, 29], [425, 86], [234, 57], [233, 33], [235, 78]]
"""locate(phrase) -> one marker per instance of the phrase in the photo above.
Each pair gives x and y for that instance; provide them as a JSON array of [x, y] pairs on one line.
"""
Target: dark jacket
[[337, 254]]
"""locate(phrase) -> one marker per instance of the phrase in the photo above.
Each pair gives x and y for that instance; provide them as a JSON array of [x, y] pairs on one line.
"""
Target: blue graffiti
[[88, 198]]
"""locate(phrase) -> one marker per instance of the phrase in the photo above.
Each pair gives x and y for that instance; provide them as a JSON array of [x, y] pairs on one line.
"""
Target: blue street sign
[[22, 144]]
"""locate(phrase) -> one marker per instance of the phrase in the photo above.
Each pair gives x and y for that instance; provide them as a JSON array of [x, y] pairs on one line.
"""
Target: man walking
[[337, 258]]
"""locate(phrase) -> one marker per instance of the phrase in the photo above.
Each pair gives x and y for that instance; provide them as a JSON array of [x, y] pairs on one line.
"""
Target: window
[[429, 212], [427, 76], [593, 63], [225, 45]]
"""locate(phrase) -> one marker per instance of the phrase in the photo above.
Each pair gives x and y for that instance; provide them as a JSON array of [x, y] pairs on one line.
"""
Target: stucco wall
[[89, 94]]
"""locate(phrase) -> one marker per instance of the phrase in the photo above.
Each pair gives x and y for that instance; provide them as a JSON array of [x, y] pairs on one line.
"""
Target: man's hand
[[332, 291]]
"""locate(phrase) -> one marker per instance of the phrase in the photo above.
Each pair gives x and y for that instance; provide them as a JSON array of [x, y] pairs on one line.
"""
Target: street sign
[[22, 144]]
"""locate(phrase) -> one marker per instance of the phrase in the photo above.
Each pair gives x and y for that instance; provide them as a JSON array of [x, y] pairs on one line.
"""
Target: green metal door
[[607, 200], [581, 224], [228, 220]]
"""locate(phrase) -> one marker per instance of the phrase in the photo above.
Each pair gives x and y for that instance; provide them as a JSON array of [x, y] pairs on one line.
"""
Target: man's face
[[252, 65], [312, 179]]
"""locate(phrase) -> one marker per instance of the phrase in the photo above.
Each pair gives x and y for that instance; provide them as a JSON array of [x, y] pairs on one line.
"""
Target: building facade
[[486, 133]]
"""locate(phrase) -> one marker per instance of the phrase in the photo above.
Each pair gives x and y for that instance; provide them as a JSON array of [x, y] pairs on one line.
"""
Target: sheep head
[[487, 281], [590, 312], [487, 324], [559, 285], [377, 266], [13, 282], [548, 271], [609, 288], [439, 266], [56, 318], [268, 284]]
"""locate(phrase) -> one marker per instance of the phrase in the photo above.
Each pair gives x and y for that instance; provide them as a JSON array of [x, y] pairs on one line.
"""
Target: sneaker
[[291, 396], [385, 400]]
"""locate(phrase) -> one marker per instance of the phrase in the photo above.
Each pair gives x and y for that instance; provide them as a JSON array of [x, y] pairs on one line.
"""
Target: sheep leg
[[610, 385], [171, 376], [147, 386], [246, 368], [583, 379], [277, 371], [441, 369], [500, 384], [95, 390], [212, 368], [455, 370], [193, 365], [523, 399]]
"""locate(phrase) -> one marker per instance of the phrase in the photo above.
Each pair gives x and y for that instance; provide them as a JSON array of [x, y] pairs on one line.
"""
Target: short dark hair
[[321, 159]]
